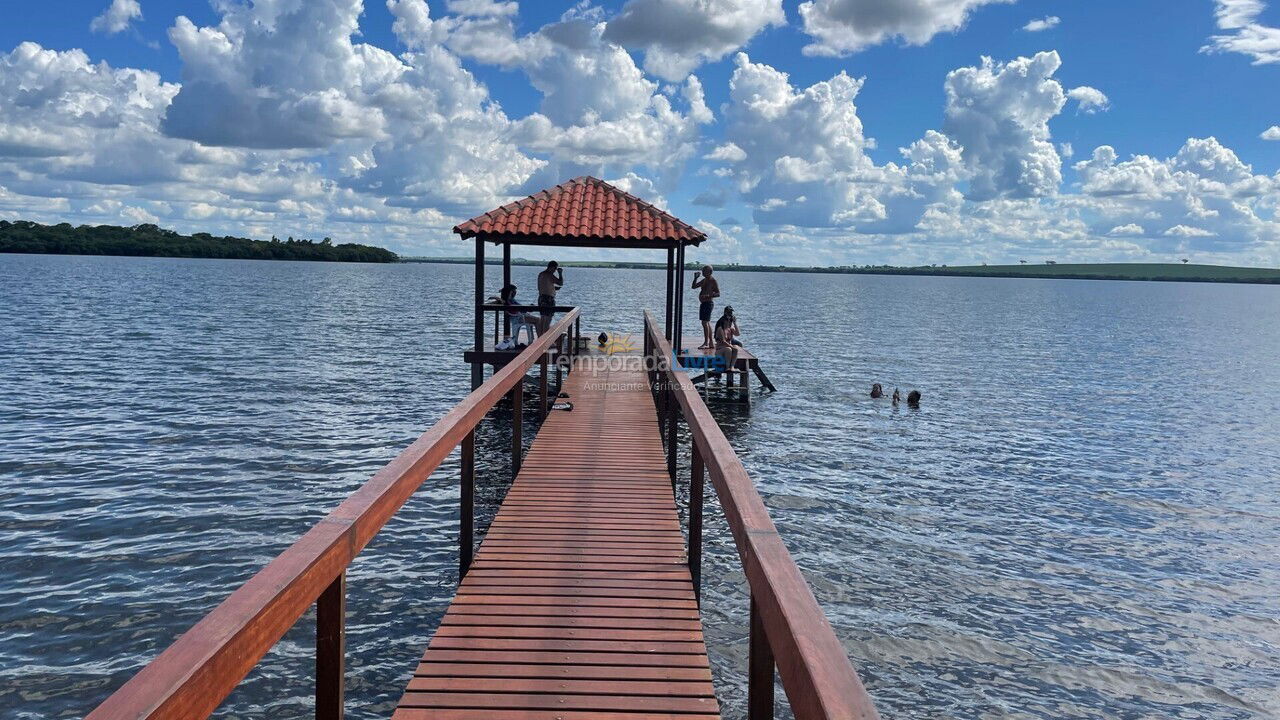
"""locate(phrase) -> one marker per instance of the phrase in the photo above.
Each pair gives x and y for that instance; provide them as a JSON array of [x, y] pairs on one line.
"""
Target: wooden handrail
[[524, 308], [201, 668], [818, 678]]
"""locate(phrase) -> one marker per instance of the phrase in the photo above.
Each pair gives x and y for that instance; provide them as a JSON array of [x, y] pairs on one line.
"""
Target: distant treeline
[[1166, 272], [153, 241]]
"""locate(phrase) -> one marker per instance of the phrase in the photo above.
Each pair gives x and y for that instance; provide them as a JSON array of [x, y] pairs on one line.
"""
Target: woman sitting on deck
[[519, 319], [726, 330]]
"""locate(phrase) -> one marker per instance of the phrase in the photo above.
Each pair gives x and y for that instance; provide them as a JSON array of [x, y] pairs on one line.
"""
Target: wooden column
[[506, 280], [759, 670], [477, 368], [696, 480], [561, 345], [671, 254], [466, 514], [542, 387], [678, 341], [331, 649], [673, 411]]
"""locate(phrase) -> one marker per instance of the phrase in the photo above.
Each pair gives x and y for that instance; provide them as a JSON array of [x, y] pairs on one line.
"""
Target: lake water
[[1080, 521]]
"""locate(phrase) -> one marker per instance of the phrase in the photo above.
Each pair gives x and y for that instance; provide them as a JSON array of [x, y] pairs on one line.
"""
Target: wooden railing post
[[695, 522], [331, 646], [672, 409], [542, 387], [517, 432], [466, 514], [560, 356], [759, 670]]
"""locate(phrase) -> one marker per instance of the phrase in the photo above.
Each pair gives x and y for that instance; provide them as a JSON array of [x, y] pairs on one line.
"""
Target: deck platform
[[695, 358], [579, 604]]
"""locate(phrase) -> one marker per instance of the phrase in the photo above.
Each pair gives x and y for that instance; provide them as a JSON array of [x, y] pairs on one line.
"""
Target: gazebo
[[584, 212]]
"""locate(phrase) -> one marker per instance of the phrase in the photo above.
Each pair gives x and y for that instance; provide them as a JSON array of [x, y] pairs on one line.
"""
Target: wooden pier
[[580, 602]]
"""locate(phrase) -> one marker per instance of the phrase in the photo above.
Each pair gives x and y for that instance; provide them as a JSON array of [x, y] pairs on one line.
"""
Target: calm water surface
[[1080, 522]]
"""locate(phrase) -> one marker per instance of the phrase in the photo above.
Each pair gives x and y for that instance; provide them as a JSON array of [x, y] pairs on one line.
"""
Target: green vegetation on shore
[[152, 241], [1168, 272]]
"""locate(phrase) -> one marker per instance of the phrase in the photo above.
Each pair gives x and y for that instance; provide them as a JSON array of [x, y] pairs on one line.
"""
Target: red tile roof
[[583, 209]]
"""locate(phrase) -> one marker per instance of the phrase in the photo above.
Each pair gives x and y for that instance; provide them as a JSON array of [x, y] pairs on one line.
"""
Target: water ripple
[[1079, 522]]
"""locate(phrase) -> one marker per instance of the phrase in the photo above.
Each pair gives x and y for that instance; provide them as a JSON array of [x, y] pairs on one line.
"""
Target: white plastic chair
[[518, 323]]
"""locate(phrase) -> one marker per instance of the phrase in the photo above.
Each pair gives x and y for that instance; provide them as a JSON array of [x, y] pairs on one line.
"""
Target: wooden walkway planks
[[579, 604]]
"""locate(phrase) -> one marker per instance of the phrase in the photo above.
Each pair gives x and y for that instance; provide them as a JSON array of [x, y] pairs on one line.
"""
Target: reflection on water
[[1080, 521]]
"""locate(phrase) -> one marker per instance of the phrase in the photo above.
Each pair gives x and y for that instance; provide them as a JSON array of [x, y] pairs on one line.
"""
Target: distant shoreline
[[152, 241], [1140, 272]]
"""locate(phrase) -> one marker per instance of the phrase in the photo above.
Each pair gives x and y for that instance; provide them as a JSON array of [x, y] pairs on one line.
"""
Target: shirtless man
[[710, 290], [549, 281]]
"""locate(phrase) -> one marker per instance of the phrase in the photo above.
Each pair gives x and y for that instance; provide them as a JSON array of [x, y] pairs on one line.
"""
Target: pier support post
[[542, 388], [517, 432], [760, 668], [506, 280], [560, 356], [696, 473], [677, 342], [331, 647], [671, 271], [672, 407], [477, 368], [466, 506]]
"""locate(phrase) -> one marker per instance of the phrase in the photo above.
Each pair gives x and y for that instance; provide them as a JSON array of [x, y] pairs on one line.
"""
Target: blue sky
[[1122, 131]]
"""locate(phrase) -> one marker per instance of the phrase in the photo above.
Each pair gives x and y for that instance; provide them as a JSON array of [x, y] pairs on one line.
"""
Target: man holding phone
[[549, 281]]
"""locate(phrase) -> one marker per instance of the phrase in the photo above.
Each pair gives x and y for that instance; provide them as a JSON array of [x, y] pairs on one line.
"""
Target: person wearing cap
[[726, 331], [709, 290]]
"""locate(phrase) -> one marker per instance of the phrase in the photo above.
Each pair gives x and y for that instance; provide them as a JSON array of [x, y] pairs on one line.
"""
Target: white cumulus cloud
[[1244, 33], [840, 27], [1187, 231], [1045, 23], [1130, 230], [1272, 133], [1204, 191], [1091, 100], [999, 114], [817, 174], [679, 35], [117, 17]]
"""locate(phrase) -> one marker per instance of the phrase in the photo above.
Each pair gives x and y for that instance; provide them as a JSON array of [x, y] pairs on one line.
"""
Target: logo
[[619, 344]]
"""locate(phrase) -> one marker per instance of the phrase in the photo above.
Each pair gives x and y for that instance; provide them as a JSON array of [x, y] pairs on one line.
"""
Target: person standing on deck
[[710, 290], [549, 281]]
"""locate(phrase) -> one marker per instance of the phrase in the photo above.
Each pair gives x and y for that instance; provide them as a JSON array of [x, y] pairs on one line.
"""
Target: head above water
[[876, 390], [913, 397], [706, 271]]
